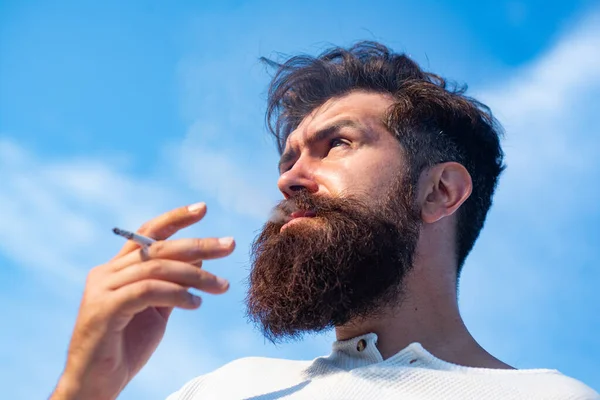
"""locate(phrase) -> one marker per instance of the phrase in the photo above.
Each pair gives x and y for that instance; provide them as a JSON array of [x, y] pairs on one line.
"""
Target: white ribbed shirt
[[356, 370]]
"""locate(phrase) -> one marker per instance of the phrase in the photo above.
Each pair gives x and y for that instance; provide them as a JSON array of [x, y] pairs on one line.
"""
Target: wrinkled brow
[[319, 136]]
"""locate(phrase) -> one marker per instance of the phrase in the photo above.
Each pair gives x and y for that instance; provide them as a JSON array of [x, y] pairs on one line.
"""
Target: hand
[[127, 302]]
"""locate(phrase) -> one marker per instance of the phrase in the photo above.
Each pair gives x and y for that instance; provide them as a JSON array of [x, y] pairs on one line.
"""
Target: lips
[[297, 216], [303, 213]]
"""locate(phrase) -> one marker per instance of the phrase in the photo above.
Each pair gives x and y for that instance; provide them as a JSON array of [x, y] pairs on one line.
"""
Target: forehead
[[366, 109]]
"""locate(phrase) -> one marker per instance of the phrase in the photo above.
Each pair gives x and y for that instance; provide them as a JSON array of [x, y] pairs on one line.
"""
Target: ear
[[442, 190]]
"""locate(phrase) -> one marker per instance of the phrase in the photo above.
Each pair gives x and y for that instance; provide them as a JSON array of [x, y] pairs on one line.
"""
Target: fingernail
[[222, 282], [196, 300], [195, 207], [226, 241]]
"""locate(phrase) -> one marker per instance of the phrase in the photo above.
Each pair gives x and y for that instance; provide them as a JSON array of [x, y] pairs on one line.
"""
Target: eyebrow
[[319, 136]]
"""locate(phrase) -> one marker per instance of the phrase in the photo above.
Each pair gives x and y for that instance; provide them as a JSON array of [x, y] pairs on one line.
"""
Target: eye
[[337, 142]]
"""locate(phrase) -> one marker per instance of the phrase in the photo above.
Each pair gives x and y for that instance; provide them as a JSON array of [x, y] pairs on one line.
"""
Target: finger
[[165, 312], [178, 272], [145, 257], [179, 250], [138, 296], [167, 224]]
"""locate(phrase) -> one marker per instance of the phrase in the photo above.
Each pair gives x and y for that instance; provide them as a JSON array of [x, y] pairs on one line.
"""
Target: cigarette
[[143, 241]]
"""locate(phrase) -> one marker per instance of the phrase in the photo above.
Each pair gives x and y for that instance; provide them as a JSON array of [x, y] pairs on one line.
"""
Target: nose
[[300, 177]]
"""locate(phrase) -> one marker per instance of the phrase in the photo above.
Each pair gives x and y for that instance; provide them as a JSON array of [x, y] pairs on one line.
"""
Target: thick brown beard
[[347, 263]]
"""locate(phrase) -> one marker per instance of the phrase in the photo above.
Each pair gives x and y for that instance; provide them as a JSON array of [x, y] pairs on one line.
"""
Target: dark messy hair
[[434, 121]]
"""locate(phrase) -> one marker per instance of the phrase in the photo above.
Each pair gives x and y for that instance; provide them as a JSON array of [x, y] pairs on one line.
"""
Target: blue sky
[[113, 112]]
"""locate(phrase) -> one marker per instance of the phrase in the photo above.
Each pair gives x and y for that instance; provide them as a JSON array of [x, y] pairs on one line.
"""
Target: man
[[387, 176]]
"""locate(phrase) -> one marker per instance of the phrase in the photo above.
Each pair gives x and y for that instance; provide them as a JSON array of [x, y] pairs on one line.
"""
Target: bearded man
[[387, 175]]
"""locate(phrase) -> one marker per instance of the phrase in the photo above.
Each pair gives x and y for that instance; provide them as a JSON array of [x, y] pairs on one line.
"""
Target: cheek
[[366, 180], [334, 183], [376, 182]]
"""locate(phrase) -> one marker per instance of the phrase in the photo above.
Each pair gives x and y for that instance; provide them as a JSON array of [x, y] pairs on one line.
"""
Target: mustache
[[305, 201]]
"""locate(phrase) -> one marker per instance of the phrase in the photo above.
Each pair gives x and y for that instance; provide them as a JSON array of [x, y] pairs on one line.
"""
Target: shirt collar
[[357, 352], [362, 351]]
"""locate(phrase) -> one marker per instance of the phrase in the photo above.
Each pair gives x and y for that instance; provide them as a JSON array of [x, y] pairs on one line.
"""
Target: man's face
[[340, 244], [343, 148]]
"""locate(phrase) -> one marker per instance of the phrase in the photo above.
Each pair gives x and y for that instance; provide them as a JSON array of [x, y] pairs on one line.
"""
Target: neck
[[427, 313]]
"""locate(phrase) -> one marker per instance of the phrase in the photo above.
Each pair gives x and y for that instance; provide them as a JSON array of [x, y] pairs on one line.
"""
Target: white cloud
[[238, 187], [53, 212], [56, 220], [542, 105], [550, 83], [525, 259], [224, 158]]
